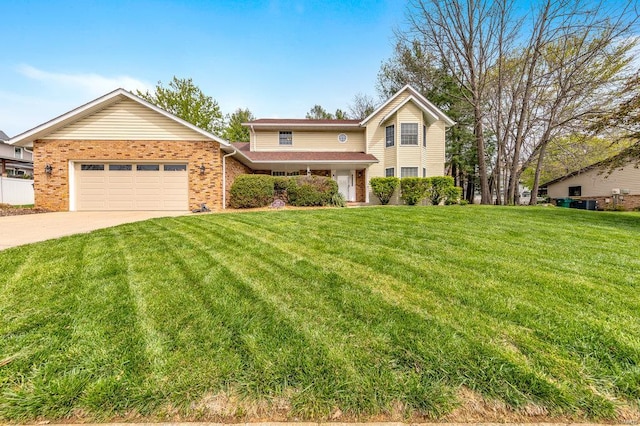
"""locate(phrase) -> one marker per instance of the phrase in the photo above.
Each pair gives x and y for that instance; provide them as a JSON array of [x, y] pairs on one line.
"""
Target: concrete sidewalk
[[32, 228]]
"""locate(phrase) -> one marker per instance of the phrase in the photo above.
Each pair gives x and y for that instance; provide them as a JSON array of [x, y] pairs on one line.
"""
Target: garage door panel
[[131, 187], [121, 205]]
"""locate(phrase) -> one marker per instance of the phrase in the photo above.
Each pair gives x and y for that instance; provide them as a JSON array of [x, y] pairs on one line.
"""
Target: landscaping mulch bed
[[8, 210]]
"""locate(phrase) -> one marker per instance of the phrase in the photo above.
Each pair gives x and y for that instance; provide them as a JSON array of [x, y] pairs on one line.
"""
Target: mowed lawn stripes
[[396, 312]]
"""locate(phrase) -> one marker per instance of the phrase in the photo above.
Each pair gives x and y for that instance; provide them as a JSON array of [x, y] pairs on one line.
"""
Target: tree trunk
[[471, 189], [485, 195], [536, 180]]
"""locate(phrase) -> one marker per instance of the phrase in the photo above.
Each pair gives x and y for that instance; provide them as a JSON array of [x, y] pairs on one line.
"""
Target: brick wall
[[628, 202], [233, 169], [52, 191]]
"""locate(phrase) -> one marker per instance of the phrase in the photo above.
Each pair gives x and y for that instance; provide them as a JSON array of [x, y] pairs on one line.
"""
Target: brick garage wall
[[233, 169], [52, 191]]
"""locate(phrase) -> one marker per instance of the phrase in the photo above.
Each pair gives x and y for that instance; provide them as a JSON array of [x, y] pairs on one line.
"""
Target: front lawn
[[387, 313]]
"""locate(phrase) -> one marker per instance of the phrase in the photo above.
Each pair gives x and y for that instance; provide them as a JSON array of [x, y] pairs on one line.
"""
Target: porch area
[[351, 182]]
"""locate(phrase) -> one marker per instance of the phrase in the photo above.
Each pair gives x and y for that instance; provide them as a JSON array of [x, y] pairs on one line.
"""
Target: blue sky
[[278, 58]]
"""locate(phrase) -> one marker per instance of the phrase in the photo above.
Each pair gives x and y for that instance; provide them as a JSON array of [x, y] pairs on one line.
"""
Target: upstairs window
[[390, 172], [408, 172], [17, 152], [390, 136], [409, 134], [286, 138]]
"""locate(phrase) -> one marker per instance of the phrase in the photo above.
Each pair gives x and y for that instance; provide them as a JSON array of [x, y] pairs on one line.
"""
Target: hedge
[[414, 189], [436, 189], [312, 191], [384, 187], [440, 189], [250, 191]]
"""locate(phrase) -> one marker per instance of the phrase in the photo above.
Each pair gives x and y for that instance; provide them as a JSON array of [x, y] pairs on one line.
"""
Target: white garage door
[[131, 186]]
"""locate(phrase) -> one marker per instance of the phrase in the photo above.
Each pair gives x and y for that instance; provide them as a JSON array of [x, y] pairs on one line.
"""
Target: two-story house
[[14, 161], [119, 152], [404, 137]]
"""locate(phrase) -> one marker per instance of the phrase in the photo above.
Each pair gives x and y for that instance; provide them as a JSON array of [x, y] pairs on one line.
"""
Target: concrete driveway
[[31, 228]]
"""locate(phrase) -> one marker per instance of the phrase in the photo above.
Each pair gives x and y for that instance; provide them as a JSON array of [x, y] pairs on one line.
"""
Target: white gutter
[[224, 178]]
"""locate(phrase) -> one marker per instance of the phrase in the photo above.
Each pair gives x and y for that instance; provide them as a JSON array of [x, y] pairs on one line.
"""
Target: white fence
[[16, 191]]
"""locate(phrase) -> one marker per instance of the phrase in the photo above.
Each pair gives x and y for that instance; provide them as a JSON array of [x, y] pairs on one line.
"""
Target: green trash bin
[[563, 202]]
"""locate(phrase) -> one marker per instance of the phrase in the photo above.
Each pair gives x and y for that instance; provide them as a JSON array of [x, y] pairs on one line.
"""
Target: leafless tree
[[526, 90], [361, 106]]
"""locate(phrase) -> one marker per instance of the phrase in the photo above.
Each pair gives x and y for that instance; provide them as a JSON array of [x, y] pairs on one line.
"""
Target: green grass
[[389, 312]]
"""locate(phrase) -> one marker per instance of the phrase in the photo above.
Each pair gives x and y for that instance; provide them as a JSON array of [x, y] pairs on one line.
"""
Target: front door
[[342, 177]]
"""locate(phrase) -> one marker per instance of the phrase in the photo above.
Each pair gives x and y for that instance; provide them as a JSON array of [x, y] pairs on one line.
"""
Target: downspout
[[224, 178]]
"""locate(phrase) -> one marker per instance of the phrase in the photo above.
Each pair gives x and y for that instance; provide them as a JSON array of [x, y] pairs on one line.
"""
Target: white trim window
[[390, 136], [408, 172], [409, 134], [389, 172], [17, 152], [285, 137]]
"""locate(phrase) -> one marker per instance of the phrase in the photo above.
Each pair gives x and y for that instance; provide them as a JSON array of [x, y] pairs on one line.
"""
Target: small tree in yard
[[384, 187]]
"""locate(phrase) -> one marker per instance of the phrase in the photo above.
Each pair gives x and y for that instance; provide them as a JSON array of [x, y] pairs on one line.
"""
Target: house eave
[[27, 138]]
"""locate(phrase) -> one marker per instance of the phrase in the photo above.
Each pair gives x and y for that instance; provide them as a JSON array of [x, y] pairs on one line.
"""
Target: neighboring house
[[120, 152], [14, 161], [618, 187], [404, 137]]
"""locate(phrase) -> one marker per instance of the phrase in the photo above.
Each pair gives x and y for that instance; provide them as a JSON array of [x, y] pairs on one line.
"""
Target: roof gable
[[414, 96], [80, 117], [433, 117]]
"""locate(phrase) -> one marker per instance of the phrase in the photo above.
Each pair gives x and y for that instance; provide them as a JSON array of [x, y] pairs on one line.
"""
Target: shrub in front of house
[[250, 191], [453, 195], [414, 190], [311, 191], [384, 187], [440, 189]]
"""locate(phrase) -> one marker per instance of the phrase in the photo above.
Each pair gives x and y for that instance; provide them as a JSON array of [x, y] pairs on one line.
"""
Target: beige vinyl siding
[[391, 156], [325, 140], [125, 120], [410, 113], [596, 183], [409, 155], [375, 135], [435, 151]]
